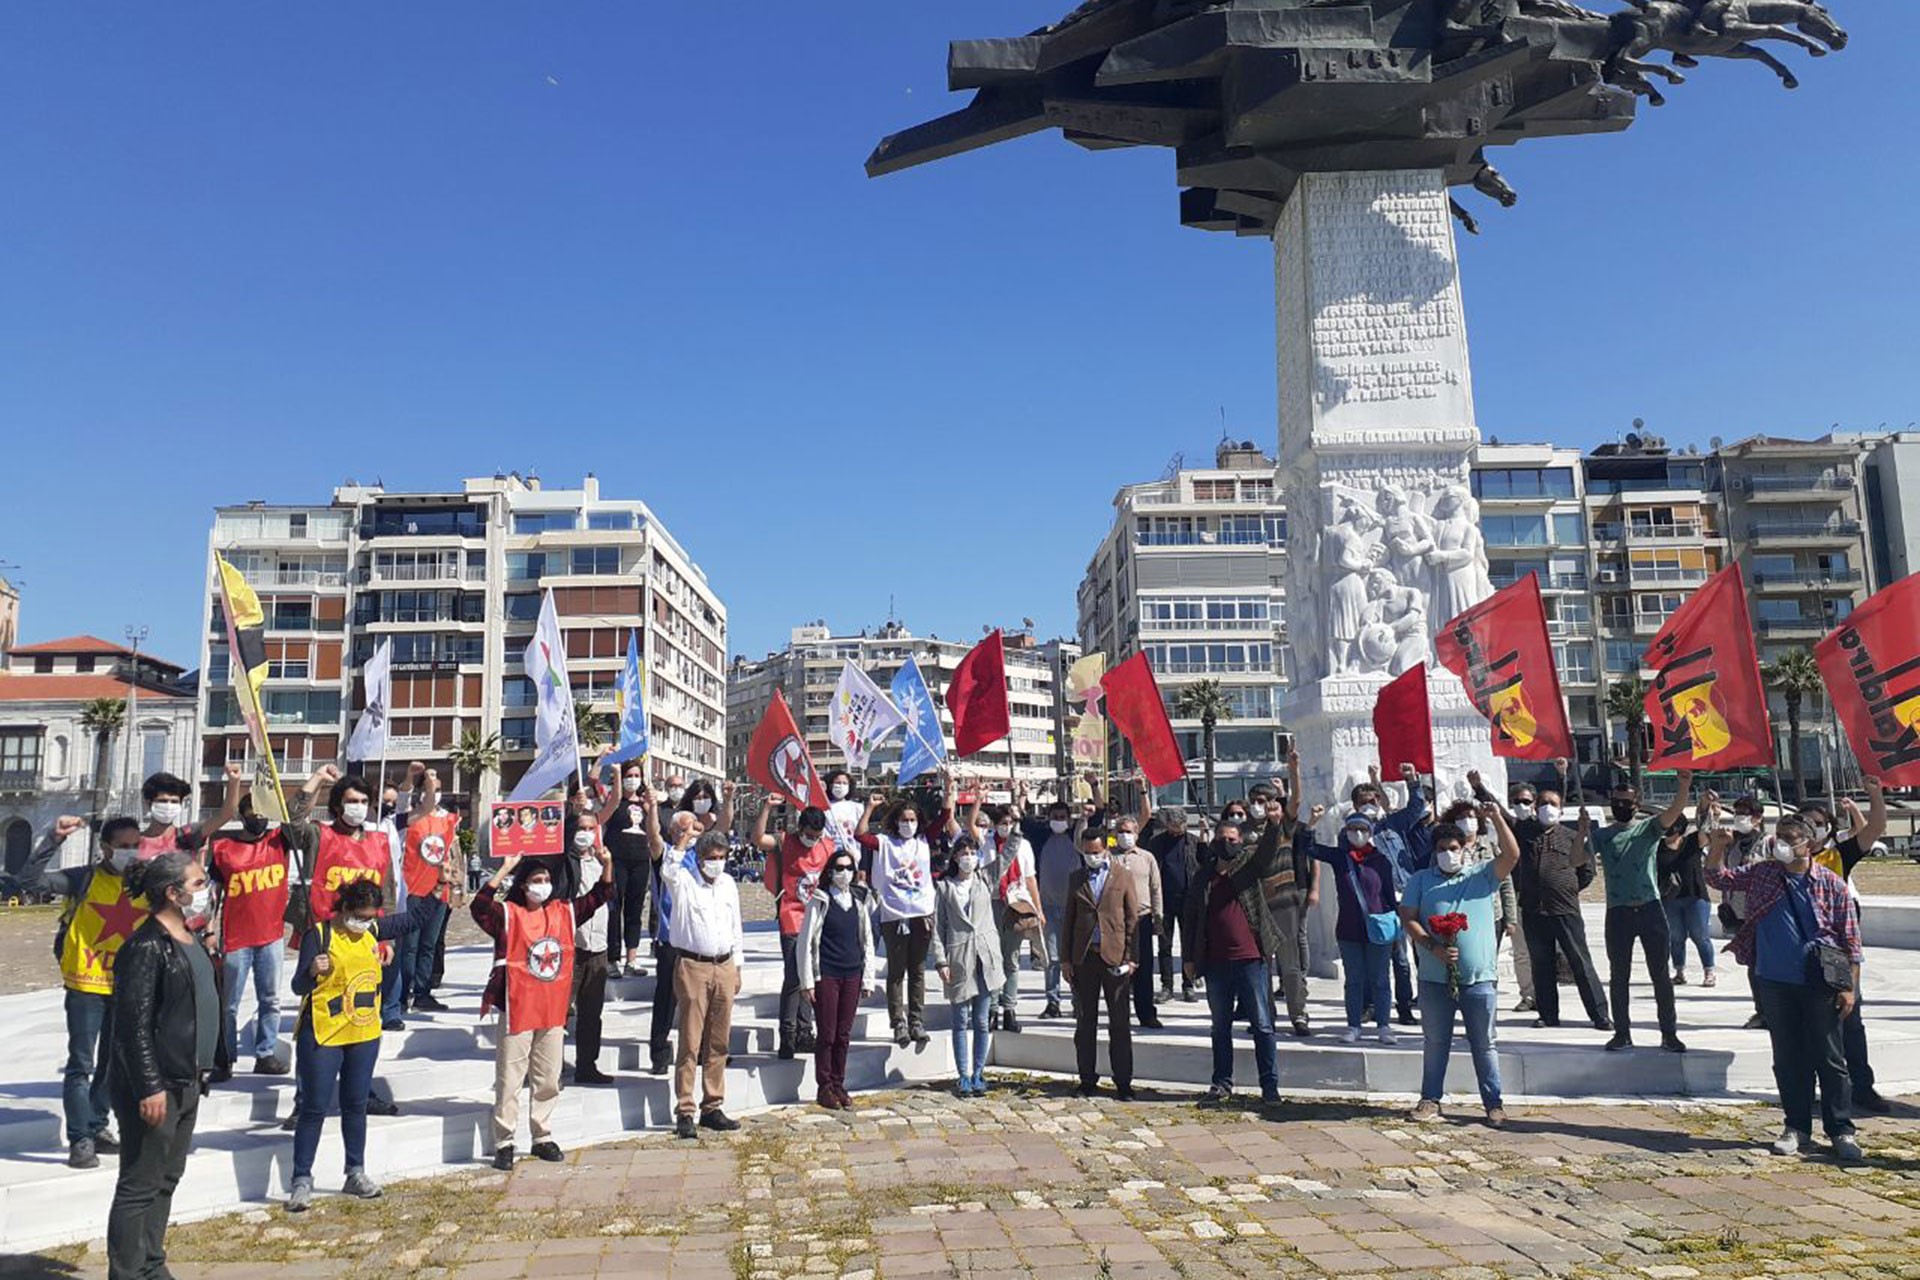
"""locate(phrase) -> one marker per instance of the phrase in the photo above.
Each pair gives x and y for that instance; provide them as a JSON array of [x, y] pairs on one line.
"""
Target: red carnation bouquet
[[1447, 929]]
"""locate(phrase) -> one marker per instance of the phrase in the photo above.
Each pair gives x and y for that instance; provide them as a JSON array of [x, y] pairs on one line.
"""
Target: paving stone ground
[[1034, 1182]]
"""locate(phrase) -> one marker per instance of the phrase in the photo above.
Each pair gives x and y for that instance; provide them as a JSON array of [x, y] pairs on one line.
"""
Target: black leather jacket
[[154, 1020]]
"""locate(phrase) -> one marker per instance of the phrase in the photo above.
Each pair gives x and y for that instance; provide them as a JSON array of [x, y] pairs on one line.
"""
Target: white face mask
[[713, 868], [583, 840], [166, 813], [357, 926], [1780, 850], [121, 859], [1372, 812], [1004, 831], [1742, 824], [1128, 840], [676, 794], [1820, 833], [908, 830], [1059, 826], [200, 906], [841, 879], [631, 786], [1449, 861], [1522, 810], [539, 892], [1357, 838], [840, 790], [701, 807], [966, 864], [1550, 814], [1095, 861], [354, 814], [1471, 826], [1257, 811]]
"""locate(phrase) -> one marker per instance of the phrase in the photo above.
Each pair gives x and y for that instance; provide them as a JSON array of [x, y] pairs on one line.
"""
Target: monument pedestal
[[1377, 434]]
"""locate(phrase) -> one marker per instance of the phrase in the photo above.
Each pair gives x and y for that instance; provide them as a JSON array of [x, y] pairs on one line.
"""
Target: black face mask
[[1623, 810], [254, 825]]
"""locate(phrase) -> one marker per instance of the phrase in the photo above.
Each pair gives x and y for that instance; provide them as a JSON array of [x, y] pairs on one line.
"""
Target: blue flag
[[924, 746], [630, 706]]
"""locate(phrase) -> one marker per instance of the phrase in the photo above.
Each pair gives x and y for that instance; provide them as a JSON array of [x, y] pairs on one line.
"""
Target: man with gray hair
[[706, 933]]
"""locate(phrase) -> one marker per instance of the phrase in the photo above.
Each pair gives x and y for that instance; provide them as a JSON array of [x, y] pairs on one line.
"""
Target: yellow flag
[[247, 671]]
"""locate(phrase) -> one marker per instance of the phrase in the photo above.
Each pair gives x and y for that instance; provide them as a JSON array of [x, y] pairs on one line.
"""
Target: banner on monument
[[1403, 722], [1500, 650], [1871, 664], [1706, 703]]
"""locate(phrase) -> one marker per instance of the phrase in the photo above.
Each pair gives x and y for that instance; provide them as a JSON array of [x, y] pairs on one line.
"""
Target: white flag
[[861, 715], [554, 735], [369, 741]]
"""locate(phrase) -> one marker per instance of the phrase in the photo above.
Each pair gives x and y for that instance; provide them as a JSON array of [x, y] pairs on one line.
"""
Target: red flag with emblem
[[1500, 650], [1403, 722], [978, 697], [1705, 703], [778, 760], [1871, 663], [1137, 710]]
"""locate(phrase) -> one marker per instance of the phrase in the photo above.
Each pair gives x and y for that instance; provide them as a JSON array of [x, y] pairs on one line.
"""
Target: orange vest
[[343, 858], [539, 964], [430, 842]]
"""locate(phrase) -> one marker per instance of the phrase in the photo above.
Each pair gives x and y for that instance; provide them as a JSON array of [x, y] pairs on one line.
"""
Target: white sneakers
[[1388, 1037], [1789, 1141], [1350, 1036]]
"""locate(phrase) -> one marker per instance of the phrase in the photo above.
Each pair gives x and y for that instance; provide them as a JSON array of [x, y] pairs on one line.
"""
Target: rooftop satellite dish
[[1715, 443], [1027, 623], [1633, 439], [1639, 424]]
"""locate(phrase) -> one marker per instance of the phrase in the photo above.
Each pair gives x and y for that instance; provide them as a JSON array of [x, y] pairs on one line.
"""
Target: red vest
[[430, 842], [343, 858], [799, 866], [539, 961], [253, 877]]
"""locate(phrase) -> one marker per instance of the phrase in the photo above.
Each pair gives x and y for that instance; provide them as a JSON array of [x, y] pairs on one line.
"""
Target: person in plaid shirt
[[1793, 907]]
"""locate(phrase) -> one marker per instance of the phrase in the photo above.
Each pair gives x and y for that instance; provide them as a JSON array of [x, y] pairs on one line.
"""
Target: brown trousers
[[703, 1004]]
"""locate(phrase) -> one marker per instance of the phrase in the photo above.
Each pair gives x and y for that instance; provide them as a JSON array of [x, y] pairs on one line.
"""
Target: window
[[285, 668], [545, 521], [1276, 531], [20, 756], [595, 560], [302, 706], [1575, 662], [1623, 656], [517, 691], [1242, 531], [42, 666], [424, 522], [1777, 610], [1569, 529], [153, 752], [296, 524], [83, 665], [523, 607], [612, 520], [1256, 491], [291, 615], [1523, 482], [516, 734], [1213, 491], [1514, 531], [1774, 566], [526, 566]]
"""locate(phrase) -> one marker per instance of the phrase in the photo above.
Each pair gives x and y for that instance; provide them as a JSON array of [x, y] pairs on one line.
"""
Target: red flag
[[978, 697], [1706, 704], [778, 760], [1500, 650], [1136, 709], [1871, 663], [1404, 724]]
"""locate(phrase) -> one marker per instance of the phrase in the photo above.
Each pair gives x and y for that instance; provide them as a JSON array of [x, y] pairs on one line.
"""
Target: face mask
[[583, 840], [841, 879], [355, 814], [1235, 818], [200, 906], [357, 926], [1781, 850], [1372, 812], [1095, 861], [713, 868], [1742, 824], [701, 806], [908, 830], [811, 835], [631, 786], [121, 859], [166, 813], [255, 826], [1820, 833], [840, 790], [1471, 826], [1258, 810], [1004, 831], [1449, 861], [1059, 826], [1128, 839], [1624, 811], [1523, 810], [539, 892], [1358, 838], [966, 864], [1550, 814], [676, 794], [388, 809]]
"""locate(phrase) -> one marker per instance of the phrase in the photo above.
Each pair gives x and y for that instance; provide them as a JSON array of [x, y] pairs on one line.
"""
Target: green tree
[[590, 727], [1626, 704], [476, 756], [1795, 675], [103, 718], [1205, 701]]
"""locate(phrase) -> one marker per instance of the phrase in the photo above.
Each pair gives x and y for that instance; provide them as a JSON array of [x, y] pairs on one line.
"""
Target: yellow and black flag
[[247, 671]]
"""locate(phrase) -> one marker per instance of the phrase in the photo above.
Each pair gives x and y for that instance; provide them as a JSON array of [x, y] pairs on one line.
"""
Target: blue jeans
[[1476, 1008], [1368, 967], [972, 1016], [394, 978], [1243, 985], [83, 1084], [416, 976], [1688, 918], [263, 965], [322, 1070]]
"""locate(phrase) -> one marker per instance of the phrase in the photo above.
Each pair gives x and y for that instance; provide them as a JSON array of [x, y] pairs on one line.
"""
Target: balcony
[[448, 573], [16, 782], [1809, 485], [1678, 531], [1665, 576], [1789, 628], [1566, 582], [1811, 579], [1803, 530], [1645, 623], [298, 578], [1183, 626], [1567, 628]]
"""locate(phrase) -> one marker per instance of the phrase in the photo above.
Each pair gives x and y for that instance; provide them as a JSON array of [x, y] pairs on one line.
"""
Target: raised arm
[[1682, 792], [727, 790], [34, 876], [1870, 832], [1509, 856], [1716, 872], [615, 794], [874, 802], [1293, 786], [230, 803], [761, 840], [650, 818]]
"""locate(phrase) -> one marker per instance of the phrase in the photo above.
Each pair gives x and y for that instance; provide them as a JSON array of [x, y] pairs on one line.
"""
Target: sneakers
[[548, 1151], [1388, 1037], [301, 1198], [1496, 1117], [1789, 1142], [1540, 1023], [271, 1065], [1302, 1028], [1867, 1100], [920, 1038], [1758, 1022], [1217, 1096], [393, 1024], [1350, 1036], [1846, 1150], [1526, 1005], [379, 1106], [1270, 1097], [107, 1145], [1672, 1044], [427, 1004], [1712, 979], [1621, 1040], [360, 1186], [1679, 977], [81, 1155], [805, 1042], [1052, 1010], [590, 1074], [503, 1157], [1009, 1020], [684, 1128], [963, 1088], [1427, 1112], [719, 1121], [1189, 996], [659, 1065], [900, 1036], [1087, 1089], [1166, 993], [1408, 1019]]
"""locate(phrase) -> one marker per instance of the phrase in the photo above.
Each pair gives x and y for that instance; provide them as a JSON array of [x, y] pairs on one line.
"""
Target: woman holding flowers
[[1448, 910]]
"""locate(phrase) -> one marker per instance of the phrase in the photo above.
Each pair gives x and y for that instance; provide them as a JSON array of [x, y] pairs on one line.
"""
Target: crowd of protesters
[[171, 926]]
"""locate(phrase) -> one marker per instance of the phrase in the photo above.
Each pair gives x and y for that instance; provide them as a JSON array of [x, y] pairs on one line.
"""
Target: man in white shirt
[[705, 932]]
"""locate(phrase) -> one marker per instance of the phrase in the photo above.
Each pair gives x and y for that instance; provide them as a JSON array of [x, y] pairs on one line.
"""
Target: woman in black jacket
[[166, 1033]]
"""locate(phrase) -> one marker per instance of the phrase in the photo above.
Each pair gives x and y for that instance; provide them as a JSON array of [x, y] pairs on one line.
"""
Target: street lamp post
[[136, 635]]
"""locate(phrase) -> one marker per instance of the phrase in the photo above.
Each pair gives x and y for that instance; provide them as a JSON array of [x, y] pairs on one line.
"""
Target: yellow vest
[[344, 1006], [104, 919]]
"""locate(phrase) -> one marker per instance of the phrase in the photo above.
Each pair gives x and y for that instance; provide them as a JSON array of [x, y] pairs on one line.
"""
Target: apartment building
[[806, 671], [454, 579], [1190, 573]]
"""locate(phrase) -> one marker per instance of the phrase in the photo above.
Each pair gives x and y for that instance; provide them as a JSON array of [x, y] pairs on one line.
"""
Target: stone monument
[[1338, 128]]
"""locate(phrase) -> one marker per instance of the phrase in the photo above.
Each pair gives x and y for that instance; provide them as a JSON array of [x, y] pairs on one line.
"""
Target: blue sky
[[251, 250]]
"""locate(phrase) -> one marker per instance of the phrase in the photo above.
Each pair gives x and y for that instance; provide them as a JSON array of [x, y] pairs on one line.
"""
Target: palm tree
[[589, 726], [103, 718], [1627, 703], [1203, 700], [476, 756], [1795, 675]]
